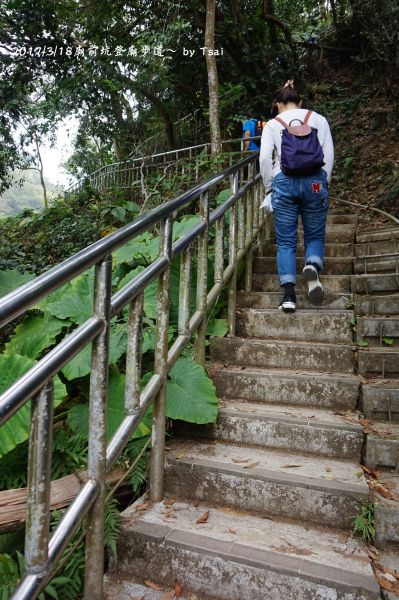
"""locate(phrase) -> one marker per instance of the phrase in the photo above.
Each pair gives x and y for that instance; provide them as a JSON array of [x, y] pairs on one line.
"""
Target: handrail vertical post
[[39, 480], [256, 203], [232, 289], [219, 250], [93, 589], [160, 367], [133, 355], [202, 280], [184, 291]]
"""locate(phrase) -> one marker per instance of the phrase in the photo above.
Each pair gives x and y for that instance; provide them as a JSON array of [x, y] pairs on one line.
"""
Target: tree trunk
[[213, 86], [334, 13], [268, 9], [41, 172], [163, 113]]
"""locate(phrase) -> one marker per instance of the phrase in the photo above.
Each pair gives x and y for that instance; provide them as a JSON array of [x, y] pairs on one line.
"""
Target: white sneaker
[[288, 303], [315, 289]]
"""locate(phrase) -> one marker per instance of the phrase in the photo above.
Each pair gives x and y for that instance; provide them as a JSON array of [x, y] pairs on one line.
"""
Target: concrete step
[[331, 250], [274, 386], [342, 218], [382, 445], [380, 400], [332, 266], [377, 235], [304, 325], [273, 299], [283, 354], [377, 264], [379, 362], [333, 284], [282, 427], [386, 512], [377, 305], [237, 556], [317, 489], [375, 329], [374, 284], [335, 233], [116, 588], [379, 247]]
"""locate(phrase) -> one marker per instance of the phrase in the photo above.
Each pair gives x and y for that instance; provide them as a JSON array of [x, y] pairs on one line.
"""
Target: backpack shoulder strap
[[281, 121], [307, 117]]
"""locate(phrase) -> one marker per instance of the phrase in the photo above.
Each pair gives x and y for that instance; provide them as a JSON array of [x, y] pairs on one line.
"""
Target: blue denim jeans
[[291, 197]]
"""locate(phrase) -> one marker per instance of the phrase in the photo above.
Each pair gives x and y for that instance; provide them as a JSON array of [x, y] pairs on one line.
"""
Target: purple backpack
[[301, 152]]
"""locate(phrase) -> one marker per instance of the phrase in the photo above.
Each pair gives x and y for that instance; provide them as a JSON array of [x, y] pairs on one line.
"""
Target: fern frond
[[111, 525]]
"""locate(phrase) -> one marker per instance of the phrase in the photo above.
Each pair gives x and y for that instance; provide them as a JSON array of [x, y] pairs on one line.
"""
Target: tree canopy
[[130, 70]]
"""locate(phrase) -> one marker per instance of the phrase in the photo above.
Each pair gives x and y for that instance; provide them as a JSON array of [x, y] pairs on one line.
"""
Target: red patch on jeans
[[316, 187]]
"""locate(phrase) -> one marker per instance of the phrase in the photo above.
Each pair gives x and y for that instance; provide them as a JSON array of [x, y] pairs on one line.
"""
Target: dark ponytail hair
[[287, 93]]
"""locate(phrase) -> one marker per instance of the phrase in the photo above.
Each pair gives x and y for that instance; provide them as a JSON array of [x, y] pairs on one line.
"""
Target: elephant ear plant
[[191, 395]]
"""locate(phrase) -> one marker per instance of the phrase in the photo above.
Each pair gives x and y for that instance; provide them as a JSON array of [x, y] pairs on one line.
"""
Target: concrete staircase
[[260, 505], [377, 307]]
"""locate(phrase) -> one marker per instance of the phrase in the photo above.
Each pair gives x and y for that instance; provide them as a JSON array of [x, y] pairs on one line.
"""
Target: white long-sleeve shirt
[[271, 140]]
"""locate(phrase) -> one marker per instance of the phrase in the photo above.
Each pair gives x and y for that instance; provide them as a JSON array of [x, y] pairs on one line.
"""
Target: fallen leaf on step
[[370, 472], [178, 589], [251, 466], [169, 514], [392, 572], [240, 460], [387, 585], [180, 455], [372, 552], [143, 506], [328, 477], [231, 531], [153, 585], [381, 489], [203, 518], [169, 501], [389, 577]]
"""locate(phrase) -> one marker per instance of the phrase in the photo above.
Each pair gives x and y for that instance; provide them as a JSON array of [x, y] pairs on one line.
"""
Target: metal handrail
[[150, 161], [246, 226]]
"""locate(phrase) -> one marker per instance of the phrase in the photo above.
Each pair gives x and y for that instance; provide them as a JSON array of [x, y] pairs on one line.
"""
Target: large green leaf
[[146, 245], [217, 328], [76, 303], [80, 365], [151, 291], [34, 334], [136, 249], [179, 229], [191, 395], [222, 196], [16, 429], [12, 279], [78, 416]]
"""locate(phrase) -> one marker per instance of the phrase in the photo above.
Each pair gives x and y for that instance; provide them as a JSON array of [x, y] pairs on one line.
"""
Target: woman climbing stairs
[[261, 504]]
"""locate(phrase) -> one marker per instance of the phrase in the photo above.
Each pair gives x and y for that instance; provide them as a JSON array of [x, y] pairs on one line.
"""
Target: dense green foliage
[[190, 393], [140, 82]]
